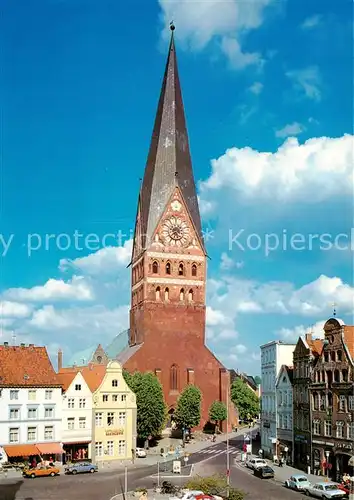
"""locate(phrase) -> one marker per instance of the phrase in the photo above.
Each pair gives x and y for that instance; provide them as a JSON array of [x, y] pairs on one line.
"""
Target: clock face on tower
[[175, 232]]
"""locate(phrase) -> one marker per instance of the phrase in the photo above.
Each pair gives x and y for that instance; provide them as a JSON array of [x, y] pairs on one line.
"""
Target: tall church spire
[[169, 162]]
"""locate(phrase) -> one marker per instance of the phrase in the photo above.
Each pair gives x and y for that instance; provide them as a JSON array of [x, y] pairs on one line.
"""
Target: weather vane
[[334, 305]]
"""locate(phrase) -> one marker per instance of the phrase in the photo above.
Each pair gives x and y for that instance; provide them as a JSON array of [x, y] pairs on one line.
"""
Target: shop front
[[50, 452], [301, 451], [21, 454], [76, 451]]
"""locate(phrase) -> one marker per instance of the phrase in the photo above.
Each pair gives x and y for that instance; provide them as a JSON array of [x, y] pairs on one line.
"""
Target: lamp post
[[227, 444], [327, 463]]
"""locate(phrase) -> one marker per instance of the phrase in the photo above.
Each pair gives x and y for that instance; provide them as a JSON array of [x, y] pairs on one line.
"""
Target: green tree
[[245, 400], [217, 413], [215, 485], [151, 407], [258, 380], [188, 411]]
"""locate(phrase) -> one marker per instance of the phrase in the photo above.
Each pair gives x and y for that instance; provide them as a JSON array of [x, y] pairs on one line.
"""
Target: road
[[241, 477], [104, 485]]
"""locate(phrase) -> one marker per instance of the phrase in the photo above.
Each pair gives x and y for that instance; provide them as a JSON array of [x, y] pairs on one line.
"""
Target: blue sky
[[267, 88]]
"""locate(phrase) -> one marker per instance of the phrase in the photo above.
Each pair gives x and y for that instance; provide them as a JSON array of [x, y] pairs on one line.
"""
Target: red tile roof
[[92, 373], [316, 345], [348, 333], [30, 366]]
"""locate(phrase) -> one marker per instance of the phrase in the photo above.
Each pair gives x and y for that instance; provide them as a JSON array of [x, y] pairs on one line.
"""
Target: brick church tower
[[167, 317]]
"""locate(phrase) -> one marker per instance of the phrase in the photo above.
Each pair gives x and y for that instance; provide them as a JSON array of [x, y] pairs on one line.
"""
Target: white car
[[140, 453], [256, 463], [298, 482], [324, 491]]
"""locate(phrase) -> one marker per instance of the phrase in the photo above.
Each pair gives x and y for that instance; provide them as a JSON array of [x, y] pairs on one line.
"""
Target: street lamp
[[327, 463], [227, 444]]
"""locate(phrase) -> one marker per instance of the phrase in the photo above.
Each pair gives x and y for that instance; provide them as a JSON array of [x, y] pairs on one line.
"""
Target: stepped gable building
[[332, 401], [305, 355], [167, 316]]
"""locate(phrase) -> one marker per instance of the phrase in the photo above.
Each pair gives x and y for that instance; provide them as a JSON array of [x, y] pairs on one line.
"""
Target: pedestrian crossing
[[217, 452]]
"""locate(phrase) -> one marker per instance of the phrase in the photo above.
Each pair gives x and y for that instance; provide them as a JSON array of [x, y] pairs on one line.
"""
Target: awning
[[50, 448], [21, 450]]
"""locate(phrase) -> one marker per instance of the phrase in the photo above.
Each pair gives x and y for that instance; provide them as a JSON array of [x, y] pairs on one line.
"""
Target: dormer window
[[168, 268]]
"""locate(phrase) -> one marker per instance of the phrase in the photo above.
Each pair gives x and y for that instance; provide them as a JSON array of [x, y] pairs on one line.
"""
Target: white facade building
[[30, 416], [30, 404], [273, 356], [76, 416], [284, 399]]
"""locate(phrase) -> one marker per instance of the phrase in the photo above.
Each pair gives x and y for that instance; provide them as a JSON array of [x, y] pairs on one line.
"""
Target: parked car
[[140, 453], [325, 491], [264, 472], [255, 463], [43, 471], [298, 482], [80, 468]]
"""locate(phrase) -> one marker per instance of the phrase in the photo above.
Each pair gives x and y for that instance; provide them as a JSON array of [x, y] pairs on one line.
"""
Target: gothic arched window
[[155, 267], [168, 268], [194, 270], [181, 294], [181, 270], [167, 292], [174, 378], [190, 295], [158, 293]]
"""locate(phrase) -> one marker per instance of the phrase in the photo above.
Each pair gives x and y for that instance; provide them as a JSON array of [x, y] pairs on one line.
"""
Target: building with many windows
[[306, 353], [332, 401], [284, 402], [77, 409], [273, 355], [30, 404], [114, 413]]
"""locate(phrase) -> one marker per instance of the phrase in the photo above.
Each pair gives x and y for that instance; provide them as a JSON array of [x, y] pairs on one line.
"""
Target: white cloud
[[106, 260], [13, 310], [238, 296], [316, 170], [226, 263], [307, 81], [256, 88], [77, 289], [292, 334], [239, 349], [226, 23], [215, 317], [311, 22], [291, 129]]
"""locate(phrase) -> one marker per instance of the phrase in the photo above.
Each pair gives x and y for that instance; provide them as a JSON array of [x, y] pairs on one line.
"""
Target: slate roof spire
[[169, 161]]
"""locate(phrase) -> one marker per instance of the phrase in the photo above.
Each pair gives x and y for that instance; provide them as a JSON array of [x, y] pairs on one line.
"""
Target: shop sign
[[114, 432]]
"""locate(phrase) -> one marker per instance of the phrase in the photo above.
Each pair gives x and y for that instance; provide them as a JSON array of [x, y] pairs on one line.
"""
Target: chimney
[[308, 337], [60, 359]]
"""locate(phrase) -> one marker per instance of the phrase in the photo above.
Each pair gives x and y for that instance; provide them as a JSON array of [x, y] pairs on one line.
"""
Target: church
[[168, 267]]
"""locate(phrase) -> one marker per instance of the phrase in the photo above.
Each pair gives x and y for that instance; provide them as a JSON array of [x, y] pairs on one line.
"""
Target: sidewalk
[[152, 458], [285, 472]]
